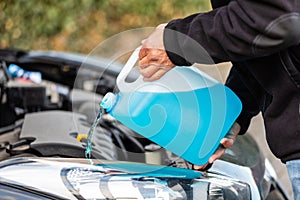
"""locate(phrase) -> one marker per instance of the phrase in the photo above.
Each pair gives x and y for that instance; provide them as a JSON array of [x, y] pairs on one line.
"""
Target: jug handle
[[121, 83]]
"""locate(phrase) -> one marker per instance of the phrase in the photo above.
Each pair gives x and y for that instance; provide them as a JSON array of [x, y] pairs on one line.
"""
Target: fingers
[[153, 72], [225, 143], [154, 63], [143, 53], [148, 56], [217, 154], [151, 56], [153, 59], [157, 75], [211, 160], [203, 167], [149, 70]]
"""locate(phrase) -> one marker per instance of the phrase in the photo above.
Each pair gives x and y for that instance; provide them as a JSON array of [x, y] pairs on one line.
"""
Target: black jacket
[[261, 38]]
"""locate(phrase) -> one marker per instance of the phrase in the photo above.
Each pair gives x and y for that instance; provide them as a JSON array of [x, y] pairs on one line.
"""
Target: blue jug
[[186, 111]]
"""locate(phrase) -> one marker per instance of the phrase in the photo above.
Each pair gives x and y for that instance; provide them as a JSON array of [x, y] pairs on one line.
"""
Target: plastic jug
[[185, 111]]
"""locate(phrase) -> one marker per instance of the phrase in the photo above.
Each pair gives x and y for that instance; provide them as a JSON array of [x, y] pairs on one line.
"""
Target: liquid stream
[[88, 150]]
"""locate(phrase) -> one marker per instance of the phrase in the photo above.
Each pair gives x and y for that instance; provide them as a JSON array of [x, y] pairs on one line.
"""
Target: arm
[[241, 30], [250, 94]]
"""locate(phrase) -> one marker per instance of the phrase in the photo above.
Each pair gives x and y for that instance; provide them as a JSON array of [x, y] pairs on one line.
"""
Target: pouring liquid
[[88, 150]]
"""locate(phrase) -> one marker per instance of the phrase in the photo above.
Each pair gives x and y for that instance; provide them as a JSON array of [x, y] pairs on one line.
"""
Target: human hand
[[154, 61], [225, 143]]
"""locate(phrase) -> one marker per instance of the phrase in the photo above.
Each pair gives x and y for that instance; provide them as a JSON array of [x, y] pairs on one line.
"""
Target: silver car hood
[[79, 179]]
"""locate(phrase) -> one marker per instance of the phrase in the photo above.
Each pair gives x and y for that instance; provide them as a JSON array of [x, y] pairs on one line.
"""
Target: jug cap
[[108, 101]]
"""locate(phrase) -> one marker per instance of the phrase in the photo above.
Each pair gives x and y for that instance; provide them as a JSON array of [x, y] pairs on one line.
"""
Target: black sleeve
[[249, 94], [240, 30]]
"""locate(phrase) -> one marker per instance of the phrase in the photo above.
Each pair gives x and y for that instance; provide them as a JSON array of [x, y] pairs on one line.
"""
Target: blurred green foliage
[[80, 25]]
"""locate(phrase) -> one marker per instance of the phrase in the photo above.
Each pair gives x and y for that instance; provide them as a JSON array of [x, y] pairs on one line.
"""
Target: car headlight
[[87, 184], [117, 180], [218, 187]]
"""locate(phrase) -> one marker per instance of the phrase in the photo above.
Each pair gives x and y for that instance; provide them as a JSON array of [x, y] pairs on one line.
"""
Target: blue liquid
[[189, 124], [136, 170], [88, 149]]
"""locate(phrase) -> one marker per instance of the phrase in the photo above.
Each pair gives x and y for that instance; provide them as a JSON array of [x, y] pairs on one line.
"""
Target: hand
[[154, 61], [225, 143]]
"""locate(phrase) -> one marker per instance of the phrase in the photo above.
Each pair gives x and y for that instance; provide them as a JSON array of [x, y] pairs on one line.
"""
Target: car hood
[[63, 178]]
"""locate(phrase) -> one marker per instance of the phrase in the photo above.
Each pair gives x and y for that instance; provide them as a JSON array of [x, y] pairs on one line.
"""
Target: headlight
[[118, 181], [87, 184], [219, 187]]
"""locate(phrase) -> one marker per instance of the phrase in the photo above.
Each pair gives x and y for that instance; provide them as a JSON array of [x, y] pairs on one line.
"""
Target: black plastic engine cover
[[54, 133]]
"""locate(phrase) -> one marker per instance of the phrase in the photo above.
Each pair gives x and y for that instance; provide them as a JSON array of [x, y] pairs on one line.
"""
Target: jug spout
[[108, 102]]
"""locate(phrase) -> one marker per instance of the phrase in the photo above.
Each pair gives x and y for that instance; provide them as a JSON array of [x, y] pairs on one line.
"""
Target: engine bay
[[52, 118]]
